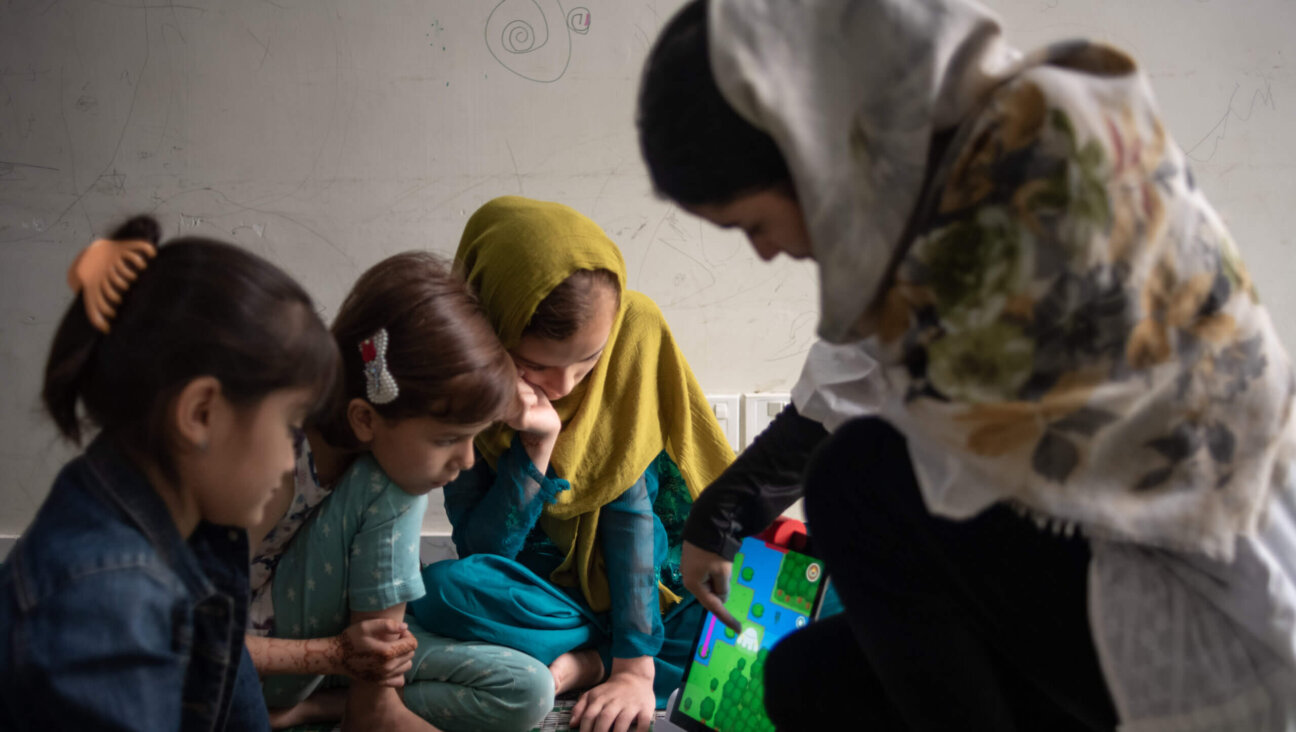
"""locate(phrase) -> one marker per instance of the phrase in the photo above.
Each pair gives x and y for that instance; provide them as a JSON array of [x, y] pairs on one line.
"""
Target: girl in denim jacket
[[122, 606]]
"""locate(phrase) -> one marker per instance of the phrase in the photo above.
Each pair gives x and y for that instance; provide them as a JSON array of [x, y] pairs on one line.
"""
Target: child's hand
[[532, 414], [378, 650], [537, 424], [624, 699]]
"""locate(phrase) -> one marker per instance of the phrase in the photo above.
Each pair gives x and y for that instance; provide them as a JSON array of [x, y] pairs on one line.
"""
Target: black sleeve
[[757, 487]]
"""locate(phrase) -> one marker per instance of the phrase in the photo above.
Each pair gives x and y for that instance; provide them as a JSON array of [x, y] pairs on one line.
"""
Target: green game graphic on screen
[[773, 591]]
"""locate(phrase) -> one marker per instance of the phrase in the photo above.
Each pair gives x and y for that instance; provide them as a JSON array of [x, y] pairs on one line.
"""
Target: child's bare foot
[[576, 670], [389, 718], [371, 707], [322, 706]]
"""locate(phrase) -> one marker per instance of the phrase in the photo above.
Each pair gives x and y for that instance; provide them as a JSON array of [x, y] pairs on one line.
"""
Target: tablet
[[772, 592]]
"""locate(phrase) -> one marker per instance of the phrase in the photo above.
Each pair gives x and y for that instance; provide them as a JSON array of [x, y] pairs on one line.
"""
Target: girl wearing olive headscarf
[[569, 525]]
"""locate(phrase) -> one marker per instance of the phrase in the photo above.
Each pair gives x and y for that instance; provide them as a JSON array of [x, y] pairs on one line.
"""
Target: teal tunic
[[499, 590], [358, 551]]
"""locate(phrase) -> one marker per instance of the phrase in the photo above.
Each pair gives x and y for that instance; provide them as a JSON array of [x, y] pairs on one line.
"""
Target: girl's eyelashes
[[536, 368], [527, 366]]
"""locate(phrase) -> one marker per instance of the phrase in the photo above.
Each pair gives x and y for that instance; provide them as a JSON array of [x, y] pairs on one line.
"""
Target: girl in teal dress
[[423, 374]]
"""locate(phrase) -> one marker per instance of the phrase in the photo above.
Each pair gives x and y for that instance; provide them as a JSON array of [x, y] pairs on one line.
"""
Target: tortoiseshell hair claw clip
[[103, 272]]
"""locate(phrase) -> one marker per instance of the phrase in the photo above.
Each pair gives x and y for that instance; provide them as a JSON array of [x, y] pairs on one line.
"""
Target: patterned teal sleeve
[[492, 512], [634, 548], [384, 564]]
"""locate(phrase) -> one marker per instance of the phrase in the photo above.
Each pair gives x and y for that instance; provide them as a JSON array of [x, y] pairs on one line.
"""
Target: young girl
[[124, 603], [570, 523], [423, 373], [1075, 506]]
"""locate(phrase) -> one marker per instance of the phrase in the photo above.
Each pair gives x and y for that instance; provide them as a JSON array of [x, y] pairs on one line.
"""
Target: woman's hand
[[378, 650], [706, 575], [536, 422], [625, 698]]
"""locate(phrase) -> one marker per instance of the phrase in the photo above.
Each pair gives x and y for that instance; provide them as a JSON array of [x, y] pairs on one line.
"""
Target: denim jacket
[[109, 620]]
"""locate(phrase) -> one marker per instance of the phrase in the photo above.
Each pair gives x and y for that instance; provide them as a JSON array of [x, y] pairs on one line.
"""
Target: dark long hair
[[200, 308], [697, 148], [570, 305], [442, 352]]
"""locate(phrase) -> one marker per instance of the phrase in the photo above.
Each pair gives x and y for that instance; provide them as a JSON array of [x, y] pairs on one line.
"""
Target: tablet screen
[[773, 591]]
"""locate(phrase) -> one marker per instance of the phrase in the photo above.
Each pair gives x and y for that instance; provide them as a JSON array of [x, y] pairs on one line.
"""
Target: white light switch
[[725, 407], [759, 409]]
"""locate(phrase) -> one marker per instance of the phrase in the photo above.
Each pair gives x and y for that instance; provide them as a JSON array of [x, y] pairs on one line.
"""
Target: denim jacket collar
[[212, 564], [122, 484]]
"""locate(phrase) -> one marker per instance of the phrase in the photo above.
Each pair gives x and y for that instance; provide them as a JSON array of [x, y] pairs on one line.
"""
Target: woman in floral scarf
[[1056, 332]]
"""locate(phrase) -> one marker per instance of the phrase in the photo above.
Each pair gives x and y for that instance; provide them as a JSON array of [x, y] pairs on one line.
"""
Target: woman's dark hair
[[698, 149], [441, 349], [200, 308], [570, 305]]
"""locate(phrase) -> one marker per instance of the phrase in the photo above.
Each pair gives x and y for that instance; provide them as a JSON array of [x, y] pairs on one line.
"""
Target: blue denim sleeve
[[247, 704], [634, 546], [493, 511], [100, 655]]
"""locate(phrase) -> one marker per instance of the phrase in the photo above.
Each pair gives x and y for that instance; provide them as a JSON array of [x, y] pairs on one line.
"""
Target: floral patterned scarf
[[1060, 318]]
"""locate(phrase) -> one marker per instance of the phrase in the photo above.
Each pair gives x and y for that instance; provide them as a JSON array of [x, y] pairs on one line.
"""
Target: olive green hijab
[[641, 397]]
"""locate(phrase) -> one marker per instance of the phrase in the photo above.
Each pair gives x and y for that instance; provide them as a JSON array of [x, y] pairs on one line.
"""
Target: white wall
[[329, 134]]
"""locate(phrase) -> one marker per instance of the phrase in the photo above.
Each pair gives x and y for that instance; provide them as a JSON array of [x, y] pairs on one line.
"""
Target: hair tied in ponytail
[[103, 272]]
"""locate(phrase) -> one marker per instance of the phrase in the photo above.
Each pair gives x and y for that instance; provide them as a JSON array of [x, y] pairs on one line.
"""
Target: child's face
[[771, 219], [421, 454], [556, 367], [249, 454]]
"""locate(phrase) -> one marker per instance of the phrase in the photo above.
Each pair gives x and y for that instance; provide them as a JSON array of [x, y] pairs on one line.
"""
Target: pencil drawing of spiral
[[578, 20], [519, 37], [532, 38]]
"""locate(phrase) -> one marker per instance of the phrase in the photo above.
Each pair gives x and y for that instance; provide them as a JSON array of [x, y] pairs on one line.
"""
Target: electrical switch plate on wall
[[725, 407], [740, 428], [759, 410]]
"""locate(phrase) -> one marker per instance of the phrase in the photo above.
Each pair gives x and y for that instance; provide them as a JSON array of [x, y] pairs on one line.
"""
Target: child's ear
[[194, 411], [361, 416]]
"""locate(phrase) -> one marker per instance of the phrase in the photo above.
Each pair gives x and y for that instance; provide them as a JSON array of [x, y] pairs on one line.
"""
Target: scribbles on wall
[[10, 170], [1261, 96], [578, 20], [533, 38]]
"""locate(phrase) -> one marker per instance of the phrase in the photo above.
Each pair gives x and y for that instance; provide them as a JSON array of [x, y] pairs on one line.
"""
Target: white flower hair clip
[[379, 383]]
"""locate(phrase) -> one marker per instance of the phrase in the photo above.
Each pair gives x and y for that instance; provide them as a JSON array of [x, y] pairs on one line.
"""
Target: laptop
[[773, 591]]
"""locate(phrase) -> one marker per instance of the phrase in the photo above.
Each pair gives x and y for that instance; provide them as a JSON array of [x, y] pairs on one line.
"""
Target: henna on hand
[[362, 660]]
